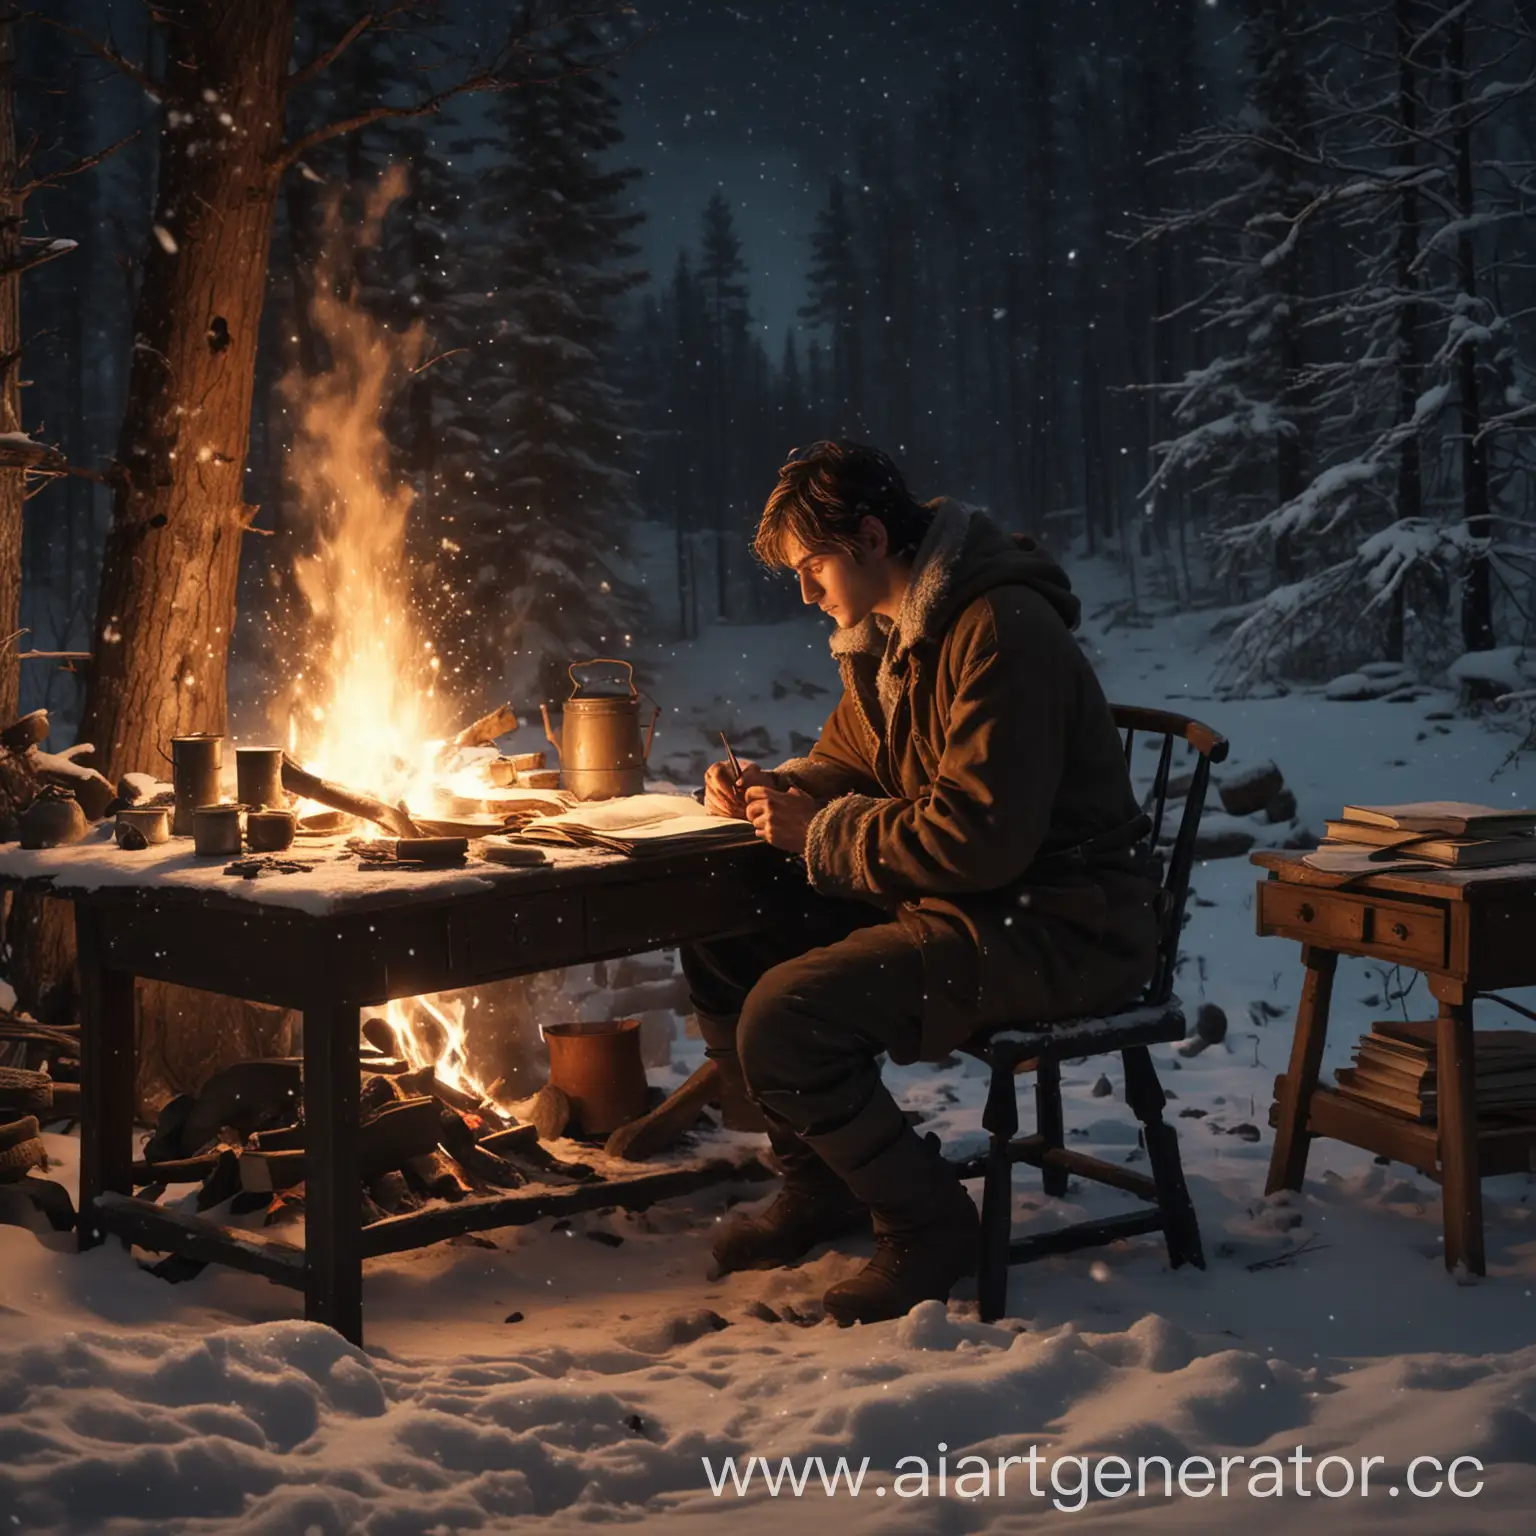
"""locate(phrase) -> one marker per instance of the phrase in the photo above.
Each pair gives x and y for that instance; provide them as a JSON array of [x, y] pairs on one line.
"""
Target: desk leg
[[1288, 1161], [108, 1073], [333, 1258], [1461, 1189]]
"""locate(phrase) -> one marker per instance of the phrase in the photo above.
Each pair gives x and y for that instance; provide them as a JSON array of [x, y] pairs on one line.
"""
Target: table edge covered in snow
[[408, 934]]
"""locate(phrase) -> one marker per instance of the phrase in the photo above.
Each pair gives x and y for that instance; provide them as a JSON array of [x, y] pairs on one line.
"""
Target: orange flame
[[363, 709]]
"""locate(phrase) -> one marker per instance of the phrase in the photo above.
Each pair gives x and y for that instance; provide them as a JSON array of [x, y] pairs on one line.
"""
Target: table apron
[[289, 959]]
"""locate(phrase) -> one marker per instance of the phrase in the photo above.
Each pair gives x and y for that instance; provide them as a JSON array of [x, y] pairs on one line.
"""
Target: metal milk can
[[599, 746]]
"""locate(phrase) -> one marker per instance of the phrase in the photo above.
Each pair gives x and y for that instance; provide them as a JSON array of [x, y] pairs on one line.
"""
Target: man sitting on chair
[[967, 824]]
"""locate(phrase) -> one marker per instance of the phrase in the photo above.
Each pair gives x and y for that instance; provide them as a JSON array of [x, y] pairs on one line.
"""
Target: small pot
[[259, 778], [269, 831], [598, 1068], [150, 822], [52, 820], [216, 830]]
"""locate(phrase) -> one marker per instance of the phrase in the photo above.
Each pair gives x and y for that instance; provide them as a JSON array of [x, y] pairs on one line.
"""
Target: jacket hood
[[963, 555]]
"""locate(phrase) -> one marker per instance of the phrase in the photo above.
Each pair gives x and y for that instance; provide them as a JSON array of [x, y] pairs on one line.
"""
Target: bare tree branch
[[74, 168], [323, 60], [494, 79], [101, 48]]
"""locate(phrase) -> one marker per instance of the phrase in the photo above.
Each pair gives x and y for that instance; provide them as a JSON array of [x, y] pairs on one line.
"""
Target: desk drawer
[[1311, 915], [1354, 922], [1415, 935]]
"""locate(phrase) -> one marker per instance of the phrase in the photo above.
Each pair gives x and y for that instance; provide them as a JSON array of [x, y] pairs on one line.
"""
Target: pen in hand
[[732, 759]]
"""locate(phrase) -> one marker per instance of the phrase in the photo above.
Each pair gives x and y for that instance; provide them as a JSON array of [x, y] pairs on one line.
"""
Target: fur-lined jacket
[[973, 742]]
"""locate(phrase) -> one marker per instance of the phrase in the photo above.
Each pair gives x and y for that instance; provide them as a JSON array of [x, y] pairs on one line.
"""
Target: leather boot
[[738, 1111], [927, 1231], [812, 1206]]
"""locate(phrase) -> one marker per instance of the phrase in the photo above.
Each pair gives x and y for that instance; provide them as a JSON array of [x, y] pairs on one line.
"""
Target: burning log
[[516, 1138], [378, 1092], [483, 732], [248, 1095], [299, 781], [434, 1174], [392, 1194]]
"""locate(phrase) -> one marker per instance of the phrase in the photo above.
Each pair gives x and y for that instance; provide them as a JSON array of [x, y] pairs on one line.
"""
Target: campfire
[[364, 711]]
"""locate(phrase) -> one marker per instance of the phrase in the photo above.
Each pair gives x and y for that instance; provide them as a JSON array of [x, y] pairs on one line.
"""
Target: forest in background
[[1241, 294]]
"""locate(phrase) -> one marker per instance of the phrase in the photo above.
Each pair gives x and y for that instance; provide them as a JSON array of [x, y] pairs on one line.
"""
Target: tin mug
[[195, 765], [151, 822], [216, 830]]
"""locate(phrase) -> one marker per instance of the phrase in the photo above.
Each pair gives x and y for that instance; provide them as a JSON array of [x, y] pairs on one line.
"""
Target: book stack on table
[[1436, 834], [1394, 1070]]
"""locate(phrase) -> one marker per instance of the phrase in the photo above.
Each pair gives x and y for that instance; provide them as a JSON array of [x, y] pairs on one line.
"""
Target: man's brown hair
[[824, 493]]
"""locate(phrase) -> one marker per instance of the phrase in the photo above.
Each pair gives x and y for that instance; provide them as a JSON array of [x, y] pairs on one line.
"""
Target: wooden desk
[[329, 943], [1468, 932]]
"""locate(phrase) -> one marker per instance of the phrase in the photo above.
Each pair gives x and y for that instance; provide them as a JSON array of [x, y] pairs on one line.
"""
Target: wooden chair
[[1041, 1047]]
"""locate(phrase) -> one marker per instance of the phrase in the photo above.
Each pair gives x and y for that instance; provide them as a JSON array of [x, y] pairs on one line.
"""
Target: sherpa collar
[[932, 568]]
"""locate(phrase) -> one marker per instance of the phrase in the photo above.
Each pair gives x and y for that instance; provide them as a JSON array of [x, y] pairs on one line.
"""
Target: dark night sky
[[763, 100]]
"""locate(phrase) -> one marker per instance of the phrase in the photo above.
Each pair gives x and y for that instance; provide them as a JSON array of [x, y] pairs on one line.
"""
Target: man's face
[[841, 584]]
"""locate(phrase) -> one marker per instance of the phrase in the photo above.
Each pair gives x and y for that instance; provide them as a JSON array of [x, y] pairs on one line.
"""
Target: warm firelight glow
[[430, 1032], [362, 708]]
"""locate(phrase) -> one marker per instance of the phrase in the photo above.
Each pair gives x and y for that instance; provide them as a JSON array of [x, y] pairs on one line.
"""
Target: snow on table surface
[[1324, 1319], [338, 881]]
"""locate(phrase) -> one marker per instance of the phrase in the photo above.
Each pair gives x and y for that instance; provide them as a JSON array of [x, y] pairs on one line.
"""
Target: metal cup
[[259, 778], [151, 822], [195, 765], [216, 830]]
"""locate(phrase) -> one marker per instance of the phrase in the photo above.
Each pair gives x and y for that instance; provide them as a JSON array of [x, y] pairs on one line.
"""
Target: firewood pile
[[39, 1084], [242, 1140]]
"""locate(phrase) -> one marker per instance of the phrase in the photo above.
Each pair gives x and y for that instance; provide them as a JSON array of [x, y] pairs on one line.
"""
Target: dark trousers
[[819, 999]]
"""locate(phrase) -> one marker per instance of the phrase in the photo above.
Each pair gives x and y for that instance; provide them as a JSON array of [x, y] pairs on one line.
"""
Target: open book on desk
[[639, 825]]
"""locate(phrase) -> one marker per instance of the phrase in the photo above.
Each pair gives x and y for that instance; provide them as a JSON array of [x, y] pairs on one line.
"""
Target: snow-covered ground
[[546, 1379]]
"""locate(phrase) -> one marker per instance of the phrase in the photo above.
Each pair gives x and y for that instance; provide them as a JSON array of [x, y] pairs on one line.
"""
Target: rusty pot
[[597, 1067], [601, 749], [52, 820]]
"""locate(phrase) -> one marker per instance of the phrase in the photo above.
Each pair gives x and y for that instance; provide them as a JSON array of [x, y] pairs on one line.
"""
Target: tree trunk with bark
[[166, 602], [172, 557]]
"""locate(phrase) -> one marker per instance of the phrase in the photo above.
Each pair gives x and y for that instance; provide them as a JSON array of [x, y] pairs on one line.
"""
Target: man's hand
[[723, 796], [781, 817]]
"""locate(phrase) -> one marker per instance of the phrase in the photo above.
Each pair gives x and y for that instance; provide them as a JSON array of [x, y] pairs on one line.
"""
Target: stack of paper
[[639, 825]]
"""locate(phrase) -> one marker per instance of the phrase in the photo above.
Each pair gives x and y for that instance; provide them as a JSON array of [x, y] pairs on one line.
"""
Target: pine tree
[[723, 293], [1244, 418], [561, 233], [835, 307]]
